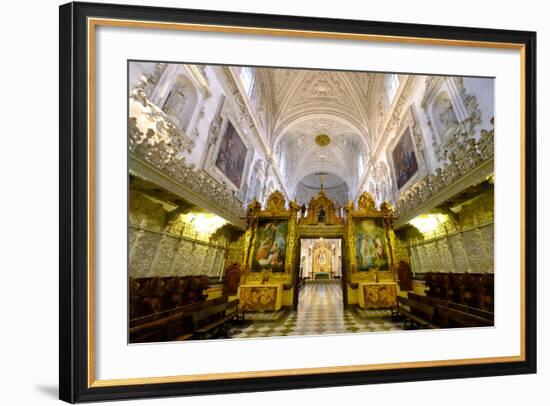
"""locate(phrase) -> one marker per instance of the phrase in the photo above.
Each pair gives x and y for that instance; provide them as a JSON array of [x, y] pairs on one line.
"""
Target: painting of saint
[[371, 245], [232, 155], [404, 160], [270, 246]]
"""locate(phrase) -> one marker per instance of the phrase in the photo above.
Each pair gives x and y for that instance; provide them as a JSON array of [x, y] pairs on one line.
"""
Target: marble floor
[[320, 311]]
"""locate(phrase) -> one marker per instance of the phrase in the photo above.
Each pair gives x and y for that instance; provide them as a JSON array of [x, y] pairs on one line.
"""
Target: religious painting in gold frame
[[271, 240], [368, 237], [371, 247], [270, 246]]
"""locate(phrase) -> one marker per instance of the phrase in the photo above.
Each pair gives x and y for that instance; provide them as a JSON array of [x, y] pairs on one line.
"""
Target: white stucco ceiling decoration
[[304, 156], [306, 103], [296, 93], [334, 186], [329, 181], [322, 140]]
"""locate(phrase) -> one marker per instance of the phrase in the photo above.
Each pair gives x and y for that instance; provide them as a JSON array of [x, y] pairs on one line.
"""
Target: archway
[[320, 259], [320, 253], [320, 275]]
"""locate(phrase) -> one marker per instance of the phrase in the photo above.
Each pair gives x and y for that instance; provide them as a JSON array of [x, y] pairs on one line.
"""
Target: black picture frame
[[74, 381]]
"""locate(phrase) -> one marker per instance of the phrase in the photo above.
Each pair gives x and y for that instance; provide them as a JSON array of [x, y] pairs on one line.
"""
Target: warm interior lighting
[[428, 223], [204, 223]]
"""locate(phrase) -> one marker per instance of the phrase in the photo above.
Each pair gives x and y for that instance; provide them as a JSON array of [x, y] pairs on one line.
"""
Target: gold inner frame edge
[[94, 22]]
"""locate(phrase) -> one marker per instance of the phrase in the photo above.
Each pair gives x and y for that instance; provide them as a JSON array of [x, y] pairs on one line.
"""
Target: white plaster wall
[[481, 88], [484, 91]]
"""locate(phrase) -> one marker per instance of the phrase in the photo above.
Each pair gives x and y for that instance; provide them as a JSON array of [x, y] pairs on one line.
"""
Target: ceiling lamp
[[322, 140]]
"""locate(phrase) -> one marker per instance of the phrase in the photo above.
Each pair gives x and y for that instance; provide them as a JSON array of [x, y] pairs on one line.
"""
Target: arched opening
[[320, 288], [333, 185]]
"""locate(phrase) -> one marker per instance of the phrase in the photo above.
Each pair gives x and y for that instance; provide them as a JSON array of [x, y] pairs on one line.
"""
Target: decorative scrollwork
[[163, 153], [366, 207], [147, 82], [464, 159], [163, 145], [275, 205], [321, 206]]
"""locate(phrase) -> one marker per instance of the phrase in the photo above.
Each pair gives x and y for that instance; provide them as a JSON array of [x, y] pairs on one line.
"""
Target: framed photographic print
[[240, 192]]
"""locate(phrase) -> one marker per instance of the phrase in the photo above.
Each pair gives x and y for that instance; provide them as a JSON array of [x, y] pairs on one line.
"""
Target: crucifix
[[321, 178]]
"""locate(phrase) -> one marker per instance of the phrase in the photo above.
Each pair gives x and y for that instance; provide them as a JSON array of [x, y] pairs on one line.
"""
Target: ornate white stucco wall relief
[[249, 131], [450, 110]]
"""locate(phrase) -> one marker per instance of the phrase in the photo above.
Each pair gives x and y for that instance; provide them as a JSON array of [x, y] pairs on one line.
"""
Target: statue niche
[[322, 216], [320, 210]]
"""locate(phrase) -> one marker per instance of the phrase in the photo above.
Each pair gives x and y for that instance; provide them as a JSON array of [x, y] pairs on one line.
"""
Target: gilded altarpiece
[[321, 211], [368, 244], [322, 220], [322, 258], [270, 251]]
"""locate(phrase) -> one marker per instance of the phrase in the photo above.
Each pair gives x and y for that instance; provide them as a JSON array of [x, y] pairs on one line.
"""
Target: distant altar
[[321, 211], [322, 260]]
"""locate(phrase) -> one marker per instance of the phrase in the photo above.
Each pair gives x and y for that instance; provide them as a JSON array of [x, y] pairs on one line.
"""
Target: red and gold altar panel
[[377, 295], [260, 298]]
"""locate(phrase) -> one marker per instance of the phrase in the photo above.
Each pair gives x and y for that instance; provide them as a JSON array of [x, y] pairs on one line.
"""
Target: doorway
[[320, 272]]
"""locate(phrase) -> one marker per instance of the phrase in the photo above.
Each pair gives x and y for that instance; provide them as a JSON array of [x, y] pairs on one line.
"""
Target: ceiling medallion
[[322, 140]]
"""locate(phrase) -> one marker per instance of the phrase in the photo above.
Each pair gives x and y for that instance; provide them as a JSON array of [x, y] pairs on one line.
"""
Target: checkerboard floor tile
[[320, 311]]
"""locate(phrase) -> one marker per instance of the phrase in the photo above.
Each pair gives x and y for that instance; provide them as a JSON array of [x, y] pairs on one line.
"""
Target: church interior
[[268, 202]]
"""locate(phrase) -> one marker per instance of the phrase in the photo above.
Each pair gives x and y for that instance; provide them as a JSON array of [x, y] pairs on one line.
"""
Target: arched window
[[392, 84], [247, 78]]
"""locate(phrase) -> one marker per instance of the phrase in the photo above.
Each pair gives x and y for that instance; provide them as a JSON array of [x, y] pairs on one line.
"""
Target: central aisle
[[320, 311]]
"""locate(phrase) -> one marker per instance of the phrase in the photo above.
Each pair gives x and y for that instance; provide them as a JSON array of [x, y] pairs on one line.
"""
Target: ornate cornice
[[317, 231], [158, 164], [162, 140], [470, 157]]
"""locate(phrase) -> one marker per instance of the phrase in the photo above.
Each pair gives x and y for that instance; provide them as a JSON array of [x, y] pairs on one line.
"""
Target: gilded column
[[392, 243], [290, 263], [249, 236], [350, 241]]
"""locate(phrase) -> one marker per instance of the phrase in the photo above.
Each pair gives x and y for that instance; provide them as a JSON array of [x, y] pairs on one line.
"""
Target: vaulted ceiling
[[298, 94], [306, 103]]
